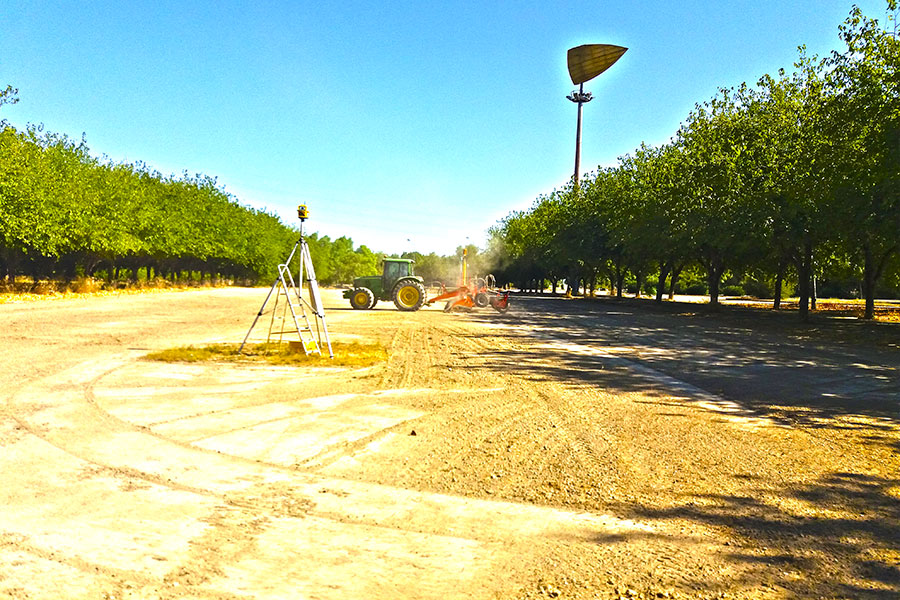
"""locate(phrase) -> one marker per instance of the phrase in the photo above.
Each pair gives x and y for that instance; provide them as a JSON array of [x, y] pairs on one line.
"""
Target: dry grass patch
[[346, 354]]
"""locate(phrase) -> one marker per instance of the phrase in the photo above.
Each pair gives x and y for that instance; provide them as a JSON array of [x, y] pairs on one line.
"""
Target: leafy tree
[[864, 107], [723, 179], [791, 112]]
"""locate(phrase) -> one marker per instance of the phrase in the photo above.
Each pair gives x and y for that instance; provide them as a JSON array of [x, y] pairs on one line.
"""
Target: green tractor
[[397, 283]]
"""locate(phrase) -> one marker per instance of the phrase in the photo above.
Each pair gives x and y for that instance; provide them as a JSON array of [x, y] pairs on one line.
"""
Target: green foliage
[[64, 214], [336, 262]]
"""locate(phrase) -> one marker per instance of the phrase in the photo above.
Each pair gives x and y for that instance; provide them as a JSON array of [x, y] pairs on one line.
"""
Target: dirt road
[[564, 449]]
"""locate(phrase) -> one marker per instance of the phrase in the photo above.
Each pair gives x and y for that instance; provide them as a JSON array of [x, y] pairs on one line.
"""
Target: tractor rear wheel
[[482, 299], [362, 299], [409, 295]]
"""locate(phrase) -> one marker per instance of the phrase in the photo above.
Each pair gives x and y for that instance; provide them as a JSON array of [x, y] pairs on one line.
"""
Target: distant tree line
[[65, 214], [784, 183]]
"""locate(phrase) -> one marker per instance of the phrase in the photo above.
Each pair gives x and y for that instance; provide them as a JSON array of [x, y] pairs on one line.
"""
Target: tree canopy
[[65, 213]]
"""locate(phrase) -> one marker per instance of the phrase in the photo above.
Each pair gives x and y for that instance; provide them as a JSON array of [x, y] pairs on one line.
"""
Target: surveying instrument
[[287, 293]]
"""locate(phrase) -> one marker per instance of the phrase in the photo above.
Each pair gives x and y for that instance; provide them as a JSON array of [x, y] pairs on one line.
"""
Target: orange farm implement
[[478, 292]]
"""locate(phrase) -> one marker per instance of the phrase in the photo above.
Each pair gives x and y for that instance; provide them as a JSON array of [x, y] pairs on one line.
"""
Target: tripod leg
[[258, 315], [315, 299]]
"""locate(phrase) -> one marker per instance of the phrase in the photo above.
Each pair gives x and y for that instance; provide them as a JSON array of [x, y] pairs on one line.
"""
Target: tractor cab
[[394, 270]]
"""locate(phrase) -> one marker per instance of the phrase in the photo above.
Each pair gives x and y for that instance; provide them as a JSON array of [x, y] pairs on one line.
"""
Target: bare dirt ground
[[568, 449]]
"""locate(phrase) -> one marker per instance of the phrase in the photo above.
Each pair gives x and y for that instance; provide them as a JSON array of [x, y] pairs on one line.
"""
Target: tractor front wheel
[[362, 299], [409, 295]]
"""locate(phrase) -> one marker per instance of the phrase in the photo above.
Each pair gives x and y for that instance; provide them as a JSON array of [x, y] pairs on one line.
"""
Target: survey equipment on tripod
[[290, 311]]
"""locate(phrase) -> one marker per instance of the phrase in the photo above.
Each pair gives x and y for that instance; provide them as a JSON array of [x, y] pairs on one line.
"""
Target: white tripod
[[294, 302]]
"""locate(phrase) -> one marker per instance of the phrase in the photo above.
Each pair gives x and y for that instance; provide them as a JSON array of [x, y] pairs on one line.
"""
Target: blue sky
[[403, 125]]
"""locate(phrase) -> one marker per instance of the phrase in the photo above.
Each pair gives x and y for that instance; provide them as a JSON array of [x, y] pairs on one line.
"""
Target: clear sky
[[403, 125]]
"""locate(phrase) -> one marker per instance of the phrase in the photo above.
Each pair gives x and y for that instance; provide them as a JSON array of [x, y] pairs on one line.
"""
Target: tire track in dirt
[[534, 441], [565, 435], [596, 457], [333, 453], [357, 392], [102, 422], [127, 578], [251, 403], [578, 449], [105, 423], [244, 516], [476, 423], [402, 361], [485, 426], [233, 530], [413, 356], [484, 432]]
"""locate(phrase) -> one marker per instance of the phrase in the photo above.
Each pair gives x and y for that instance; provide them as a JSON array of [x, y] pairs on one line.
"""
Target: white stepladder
[[294, 303]]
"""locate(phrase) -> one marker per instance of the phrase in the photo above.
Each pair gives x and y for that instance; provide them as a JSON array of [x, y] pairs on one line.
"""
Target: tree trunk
[[676, 273], [714, 270], [714, 277], [779, 282], [7, 264], [663, 273], [869, 286], [869, 279], [872, 270], [804, 271], [812, 294]]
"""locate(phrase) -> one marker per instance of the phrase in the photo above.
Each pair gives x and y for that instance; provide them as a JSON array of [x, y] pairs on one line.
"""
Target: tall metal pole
[[578, 137], [580, 97]]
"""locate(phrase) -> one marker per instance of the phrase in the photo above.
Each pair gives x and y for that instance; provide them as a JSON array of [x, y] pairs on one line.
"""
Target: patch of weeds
[[346, 354]]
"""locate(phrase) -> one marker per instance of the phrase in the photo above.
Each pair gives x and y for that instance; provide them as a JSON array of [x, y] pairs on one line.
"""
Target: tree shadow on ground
[[835, 537], [766, 362]]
